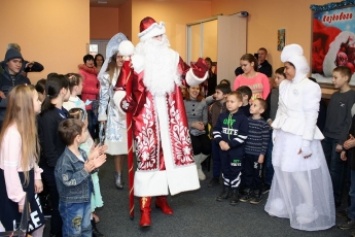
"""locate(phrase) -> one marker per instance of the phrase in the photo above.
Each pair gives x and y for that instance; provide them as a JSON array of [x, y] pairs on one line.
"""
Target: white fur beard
[[160, 70]]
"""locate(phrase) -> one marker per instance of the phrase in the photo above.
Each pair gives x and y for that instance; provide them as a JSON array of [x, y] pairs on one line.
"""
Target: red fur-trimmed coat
[[162, 141]]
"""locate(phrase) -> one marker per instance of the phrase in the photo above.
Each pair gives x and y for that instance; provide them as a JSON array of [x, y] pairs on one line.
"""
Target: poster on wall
[[333, 39]]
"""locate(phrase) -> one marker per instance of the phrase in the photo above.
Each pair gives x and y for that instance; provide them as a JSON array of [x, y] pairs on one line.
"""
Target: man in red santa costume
[[160, 129]]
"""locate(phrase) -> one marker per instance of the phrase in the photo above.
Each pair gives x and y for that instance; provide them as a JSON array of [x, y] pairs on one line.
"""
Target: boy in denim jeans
[[73, 179]]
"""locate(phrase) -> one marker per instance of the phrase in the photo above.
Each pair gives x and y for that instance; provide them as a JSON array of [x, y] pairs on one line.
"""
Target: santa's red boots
[[144, 203], [162, 203]]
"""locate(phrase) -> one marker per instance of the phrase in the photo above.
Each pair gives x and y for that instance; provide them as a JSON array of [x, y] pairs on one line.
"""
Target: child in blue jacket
[[73, 179]]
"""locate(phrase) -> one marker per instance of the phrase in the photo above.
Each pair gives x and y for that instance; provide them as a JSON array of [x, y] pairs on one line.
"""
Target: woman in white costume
[[301, 189], [109, 114]]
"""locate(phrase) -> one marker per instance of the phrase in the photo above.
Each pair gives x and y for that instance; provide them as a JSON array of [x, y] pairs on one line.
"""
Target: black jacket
[[7, 82], [51, 143]]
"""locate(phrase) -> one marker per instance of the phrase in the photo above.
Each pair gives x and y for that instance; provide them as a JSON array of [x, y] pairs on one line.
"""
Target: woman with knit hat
[[301, 189]]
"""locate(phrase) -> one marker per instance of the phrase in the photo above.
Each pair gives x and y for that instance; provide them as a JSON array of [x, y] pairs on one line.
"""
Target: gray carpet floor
[[196, 214]]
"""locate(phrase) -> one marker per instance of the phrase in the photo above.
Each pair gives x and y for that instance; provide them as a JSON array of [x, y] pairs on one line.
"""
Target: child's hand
[[20, 208], [38, 186], [99, 160], [343, 156], [103, 149], [198, 125], [224, 146], [261, 159], [96, 151], [350, 143], [338, 148], [89, 165]]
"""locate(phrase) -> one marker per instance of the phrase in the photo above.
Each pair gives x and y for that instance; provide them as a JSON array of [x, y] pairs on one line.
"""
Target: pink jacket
[[91, 86], [10, 162], [259, 85]]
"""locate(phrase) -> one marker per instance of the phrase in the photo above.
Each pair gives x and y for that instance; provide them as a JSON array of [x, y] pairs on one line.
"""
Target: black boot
[[234, 197], [95, 231], [224, 194]]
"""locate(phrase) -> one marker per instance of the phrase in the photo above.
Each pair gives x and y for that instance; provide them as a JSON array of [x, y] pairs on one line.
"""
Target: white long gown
[[301, 189]]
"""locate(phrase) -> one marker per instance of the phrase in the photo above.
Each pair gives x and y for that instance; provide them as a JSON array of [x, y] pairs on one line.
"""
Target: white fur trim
[[183, 179], [154, 29], [117, 99], [179, 179], [175, 179], [193, 80], [330, 57], [158, 183], [138, 63], [126, 48], [150, 183]]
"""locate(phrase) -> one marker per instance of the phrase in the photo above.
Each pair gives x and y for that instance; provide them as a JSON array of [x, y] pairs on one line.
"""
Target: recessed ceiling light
[[102, 1]]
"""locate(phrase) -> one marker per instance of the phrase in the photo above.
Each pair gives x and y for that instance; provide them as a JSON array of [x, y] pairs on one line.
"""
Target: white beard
[[160, 66]]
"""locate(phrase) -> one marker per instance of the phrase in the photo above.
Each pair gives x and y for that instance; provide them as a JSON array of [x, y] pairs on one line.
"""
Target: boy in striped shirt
[[255, 150]]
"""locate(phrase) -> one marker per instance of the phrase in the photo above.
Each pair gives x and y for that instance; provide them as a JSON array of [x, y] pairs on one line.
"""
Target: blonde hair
[[20, 111], [74, 80], [78, 113]]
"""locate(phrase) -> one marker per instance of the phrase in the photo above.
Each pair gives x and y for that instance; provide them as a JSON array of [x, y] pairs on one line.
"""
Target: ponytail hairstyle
[[74, 80], [20, 111], [78, 113], [251, 59], [55, 83]]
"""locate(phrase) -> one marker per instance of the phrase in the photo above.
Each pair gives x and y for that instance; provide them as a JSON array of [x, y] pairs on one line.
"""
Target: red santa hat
[[149, 28]]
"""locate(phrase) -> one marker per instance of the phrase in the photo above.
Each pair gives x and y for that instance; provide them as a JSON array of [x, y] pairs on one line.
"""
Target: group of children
[[241, 138], [241, 145], [51, 129]]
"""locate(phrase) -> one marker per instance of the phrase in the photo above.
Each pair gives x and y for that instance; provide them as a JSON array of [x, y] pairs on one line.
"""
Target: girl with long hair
[[20, 176], [52, 113]]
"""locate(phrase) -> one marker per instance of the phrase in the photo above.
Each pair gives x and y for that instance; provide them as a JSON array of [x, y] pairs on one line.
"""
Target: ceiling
[[116, 3]]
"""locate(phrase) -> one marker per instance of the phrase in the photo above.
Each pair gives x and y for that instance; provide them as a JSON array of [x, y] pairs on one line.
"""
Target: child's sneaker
[[246, 196], [256, 199], [266, 189]]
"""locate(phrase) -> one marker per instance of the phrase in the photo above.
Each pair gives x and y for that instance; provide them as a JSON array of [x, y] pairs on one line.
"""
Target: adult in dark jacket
[[10, 77], [263, 65], [27, 66]]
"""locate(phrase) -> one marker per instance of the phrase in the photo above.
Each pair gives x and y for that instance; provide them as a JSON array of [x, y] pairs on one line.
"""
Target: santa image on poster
[[333, 43]]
